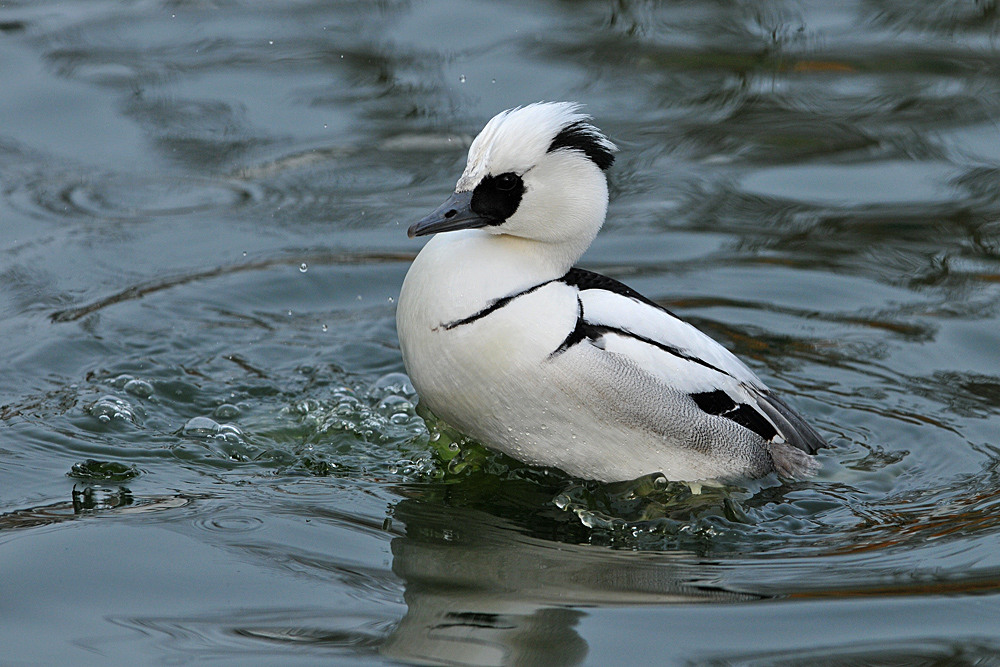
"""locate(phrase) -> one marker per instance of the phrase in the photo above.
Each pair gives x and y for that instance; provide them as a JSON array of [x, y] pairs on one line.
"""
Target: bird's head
[[536, 172]]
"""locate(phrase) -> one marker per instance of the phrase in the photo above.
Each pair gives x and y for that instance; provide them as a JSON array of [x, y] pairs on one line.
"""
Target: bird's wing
[[619, 320]]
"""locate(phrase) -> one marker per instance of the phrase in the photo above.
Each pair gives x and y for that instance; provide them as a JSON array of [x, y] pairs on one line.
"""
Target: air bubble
[[303, 267], [394, 404], [226, 411], [325, 328], [461, 79], [392, 383], [111, 407], [201, 427], [230, 433], [122, 380], [139, 388]]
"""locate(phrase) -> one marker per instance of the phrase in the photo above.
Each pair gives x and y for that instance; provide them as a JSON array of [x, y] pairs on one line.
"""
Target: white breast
[[469, 374]]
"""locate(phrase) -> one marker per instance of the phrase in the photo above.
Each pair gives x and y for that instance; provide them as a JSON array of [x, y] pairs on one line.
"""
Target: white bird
[[558, 366]]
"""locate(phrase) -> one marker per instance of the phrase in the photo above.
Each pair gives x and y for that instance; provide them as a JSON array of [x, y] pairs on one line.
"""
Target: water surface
[[209, 453]]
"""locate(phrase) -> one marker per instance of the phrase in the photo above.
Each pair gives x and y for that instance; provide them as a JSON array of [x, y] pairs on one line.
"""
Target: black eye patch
[[496, 198]]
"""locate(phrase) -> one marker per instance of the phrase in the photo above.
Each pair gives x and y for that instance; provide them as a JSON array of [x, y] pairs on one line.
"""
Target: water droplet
[[326, 328], [289, 313], [270, 41], [325, 126], [493, 81], [461, 79], [244, 253], [303, 267]]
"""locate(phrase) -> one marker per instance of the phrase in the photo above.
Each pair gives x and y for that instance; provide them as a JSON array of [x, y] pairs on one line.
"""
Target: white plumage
[[562, 367]]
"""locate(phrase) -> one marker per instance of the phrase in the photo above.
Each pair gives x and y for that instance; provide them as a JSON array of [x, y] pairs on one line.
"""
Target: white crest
[[516, 139]]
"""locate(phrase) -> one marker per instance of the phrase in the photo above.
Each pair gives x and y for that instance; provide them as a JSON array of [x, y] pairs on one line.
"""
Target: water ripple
[[230, 524]]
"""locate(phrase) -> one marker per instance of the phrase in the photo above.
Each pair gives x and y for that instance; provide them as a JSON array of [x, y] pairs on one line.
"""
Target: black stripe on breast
[[578, 278], [583, 331], [720, 403], [494, 306]]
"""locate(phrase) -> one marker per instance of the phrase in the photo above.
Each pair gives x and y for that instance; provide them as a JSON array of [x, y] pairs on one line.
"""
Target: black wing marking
[[715, 402], [749, 418], [585, 330], [791, 425], [720, 403]]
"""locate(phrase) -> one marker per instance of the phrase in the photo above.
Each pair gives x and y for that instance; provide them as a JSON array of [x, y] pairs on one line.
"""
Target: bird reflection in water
[[480, 592]]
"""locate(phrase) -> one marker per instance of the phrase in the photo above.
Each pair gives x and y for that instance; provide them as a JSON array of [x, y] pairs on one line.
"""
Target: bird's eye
[[507, 182], [496, 198]]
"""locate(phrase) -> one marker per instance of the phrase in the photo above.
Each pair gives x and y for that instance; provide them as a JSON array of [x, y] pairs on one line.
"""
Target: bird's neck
[[543, 259], [462, 271]]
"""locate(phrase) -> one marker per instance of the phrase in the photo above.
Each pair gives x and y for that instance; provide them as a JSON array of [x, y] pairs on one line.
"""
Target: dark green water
[[207, 453]]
